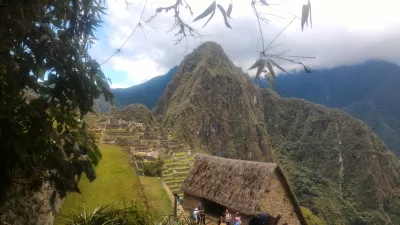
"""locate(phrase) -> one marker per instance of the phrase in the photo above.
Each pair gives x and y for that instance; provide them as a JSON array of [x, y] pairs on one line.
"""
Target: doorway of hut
[[212, 209]]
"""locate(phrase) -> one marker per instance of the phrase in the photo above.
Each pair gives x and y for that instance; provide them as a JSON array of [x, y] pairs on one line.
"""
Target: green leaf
[[271, 70], [224, 14], [88, 169], [229, 10], [206, 12], [59, 128], [277, 65]]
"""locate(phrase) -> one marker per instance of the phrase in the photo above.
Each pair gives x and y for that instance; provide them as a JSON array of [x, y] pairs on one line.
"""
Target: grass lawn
[[158, 201], [116, 180]]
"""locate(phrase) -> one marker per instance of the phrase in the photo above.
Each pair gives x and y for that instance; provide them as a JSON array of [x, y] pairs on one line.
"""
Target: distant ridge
[[146, 93], [368, 91]]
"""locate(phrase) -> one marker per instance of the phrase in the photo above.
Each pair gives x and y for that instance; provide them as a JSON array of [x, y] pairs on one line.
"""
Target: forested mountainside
[[367, 91], [337, 167]]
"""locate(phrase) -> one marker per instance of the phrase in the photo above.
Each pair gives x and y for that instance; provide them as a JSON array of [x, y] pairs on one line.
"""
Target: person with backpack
[[228, 217], [237, 220]]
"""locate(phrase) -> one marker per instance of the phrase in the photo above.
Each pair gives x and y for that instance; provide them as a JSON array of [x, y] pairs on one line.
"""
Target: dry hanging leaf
[[271, 70], [224, 14], [206, 12], [209, 18], [256, 64], [309, 7], [229, 10], [277, 65], [308, 70], [260, 68], [304, 16], [271, 80], [264, 2]]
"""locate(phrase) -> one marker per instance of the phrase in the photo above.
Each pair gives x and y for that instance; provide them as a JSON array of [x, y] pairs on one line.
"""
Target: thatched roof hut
[[244, 186]]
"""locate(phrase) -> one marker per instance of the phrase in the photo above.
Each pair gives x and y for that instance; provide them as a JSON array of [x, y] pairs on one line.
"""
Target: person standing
[[237, 221], [228, 217], [202, 217], [196, 215]]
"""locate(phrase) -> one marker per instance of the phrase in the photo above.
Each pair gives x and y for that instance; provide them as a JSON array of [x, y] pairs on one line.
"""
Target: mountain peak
[[208, 59]]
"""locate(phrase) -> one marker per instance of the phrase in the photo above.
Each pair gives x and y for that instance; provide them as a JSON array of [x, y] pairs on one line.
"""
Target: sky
[[344, 33]]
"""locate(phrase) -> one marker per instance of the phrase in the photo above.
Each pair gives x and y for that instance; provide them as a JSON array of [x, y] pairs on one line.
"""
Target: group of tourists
[[199, 216], [227, 219]]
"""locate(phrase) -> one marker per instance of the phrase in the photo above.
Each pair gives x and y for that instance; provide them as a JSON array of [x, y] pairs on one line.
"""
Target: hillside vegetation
[[367, 91], [338, 168]]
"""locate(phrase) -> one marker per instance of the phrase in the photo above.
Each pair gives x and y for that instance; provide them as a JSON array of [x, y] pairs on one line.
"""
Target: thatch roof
[[237, 184]]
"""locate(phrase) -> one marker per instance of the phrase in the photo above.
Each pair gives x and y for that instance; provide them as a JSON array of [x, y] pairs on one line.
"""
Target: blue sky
[[344, 32]]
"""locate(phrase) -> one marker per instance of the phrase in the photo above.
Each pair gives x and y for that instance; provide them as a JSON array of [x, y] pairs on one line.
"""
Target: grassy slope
[[157, 199], [115, 181]]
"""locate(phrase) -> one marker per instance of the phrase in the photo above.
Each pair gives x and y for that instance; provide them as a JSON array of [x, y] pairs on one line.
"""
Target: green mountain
[[367, 91], [337, 167], [147, 93]]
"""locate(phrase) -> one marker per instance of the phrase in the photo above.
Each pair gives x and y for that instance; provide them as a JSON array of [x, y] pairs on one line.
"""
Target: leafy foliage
[[153, 168], [106, 214], [47, 84]]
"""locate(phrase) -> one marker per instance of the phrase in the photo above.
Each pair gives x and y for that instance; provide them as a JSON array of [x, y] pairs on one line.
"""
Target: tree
[[48, 82]]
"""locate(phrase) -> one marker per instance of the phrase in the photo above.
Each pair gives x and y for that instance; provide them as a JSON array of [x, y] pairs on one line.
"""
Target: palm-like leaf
[[271, 70], [277, 65], [228, 13], [206, 12], [224, 15]]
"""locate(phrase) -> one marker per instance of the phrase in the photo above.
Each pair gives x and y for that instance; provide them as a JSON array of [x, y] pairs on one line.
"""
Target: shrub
[[153, 168]]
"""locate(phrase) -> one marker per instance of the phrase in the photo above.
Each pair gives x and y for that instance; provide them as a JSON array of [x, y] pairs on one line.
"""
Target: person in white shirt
[[228, 217], [196, 214]]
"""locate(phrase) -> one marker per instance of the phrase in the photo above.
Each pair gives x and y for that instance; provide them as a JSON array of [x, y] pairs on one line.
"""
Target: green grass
[[116, 180], [157, 199]]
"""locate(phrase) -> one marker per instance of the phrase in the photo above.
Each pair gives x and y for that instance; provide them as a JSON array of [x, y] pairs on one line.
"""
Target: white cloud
[[344, 32]]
